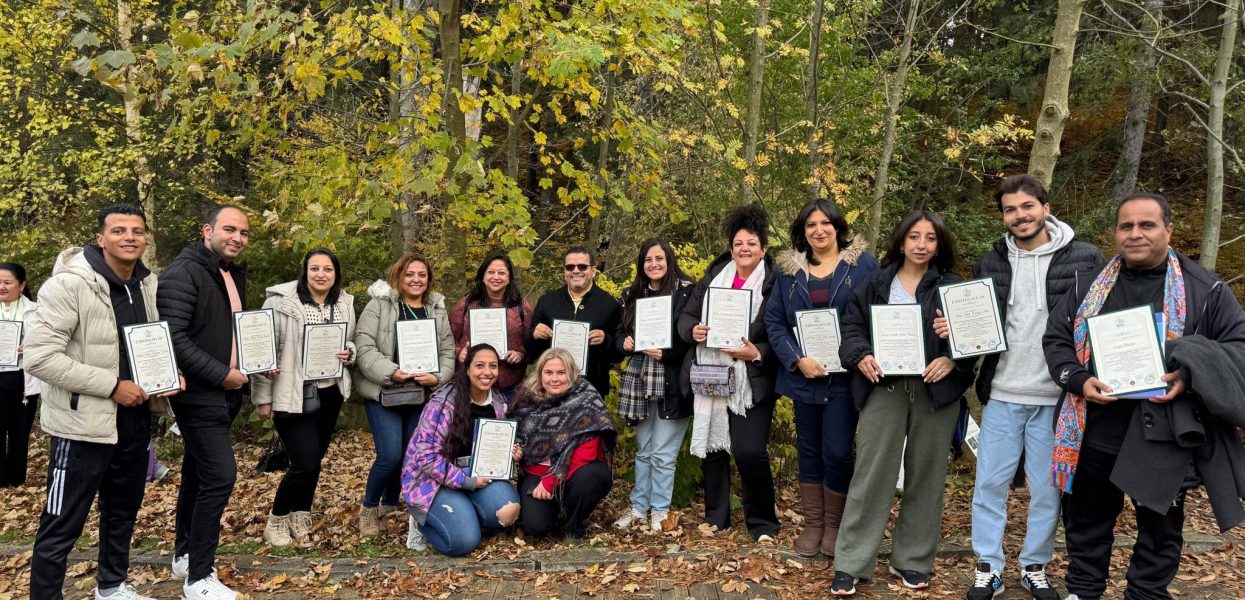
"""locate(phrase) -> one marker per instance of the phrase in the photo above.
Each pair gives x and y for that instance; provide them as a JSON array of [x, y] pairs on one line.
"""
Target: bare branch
[[1001, 36]]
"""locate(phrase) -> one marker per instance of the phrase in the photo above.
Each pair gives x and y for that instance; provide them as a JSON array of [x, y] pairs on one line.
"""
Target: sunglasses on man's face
[[576, 267]]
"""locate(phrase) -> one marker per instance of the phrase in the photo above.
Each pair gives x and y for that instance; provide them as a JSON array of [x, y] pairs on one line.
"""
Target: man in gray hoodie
[[1032, 266]]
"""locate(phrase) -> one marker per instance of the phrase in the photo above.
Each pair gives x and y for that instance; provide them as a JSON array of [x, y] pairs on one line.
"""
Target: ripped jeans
[[458, 518]]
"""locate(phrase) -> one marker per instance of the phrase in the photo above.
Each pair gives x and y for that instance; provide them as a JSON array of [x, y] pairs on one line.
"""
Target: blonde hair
[[394, 276], [533, 385]]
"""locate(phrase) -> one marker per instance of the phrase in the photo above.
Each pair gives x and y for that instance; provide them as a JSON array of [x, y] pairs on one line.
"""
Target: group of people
[[1082, 448]]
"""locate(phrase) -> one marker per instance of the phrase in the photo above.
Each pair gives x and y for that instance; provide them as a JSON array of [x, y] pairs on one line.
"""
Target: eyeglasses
[[578, 267]]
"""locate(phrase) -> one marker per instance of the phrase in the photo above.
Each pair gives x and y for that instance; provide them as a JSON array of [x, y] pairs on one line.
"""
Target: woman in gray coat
[[405, 294]]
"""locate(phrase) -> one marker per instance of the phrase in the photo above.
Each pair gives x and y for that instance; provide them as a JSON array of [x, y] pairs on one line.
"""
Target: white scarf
[[710, 422]]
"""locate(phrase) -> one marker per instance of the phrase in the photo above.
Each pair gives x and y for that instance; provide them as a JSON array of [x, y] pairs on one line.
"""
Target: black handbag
[[311, 397], [409, 393], [275, 458]]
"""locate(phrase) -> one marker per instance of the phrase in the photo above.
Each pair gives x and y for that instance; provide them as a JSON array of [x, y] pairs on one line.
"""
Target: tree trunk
[[811, 110], [603, 158], [1137, 116], [895, 94], [1055, 112], [134, 132], [1214, 135], [756, 79], [454, 236], [512, 130], [404, 225]]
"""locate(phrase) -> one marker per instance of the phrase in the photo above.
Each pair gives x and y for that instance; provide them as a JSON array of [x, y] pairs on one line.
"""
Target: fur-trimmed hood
[[381, 290], [791, 262]]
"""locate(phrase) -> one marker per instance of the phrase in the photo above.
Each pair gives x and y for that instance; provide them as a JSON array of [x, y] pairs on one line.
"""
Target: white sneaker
[[414, 539], [181, 566], [630, 517], [765, 539], [656, 520], [277, 531], [300, 525], [124, 592], [208, 588]]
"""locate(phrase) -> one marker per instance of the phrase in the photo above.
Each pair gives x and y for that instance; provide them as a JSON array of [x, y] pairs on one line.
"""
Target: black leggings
[[17, 415], [306, 438], [579, 496]]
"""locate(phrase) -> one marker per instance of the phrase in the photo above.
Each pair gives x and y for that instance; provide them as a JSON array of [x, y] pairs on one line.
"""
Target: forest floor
[[685, 560]]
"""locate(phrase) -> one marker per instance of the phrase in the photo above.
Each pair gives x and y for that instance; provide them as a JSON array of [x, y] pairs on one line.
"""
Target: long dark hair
[[944, 256], [799, 241], [19, 273], [511, 296], [674, 275], [336, 290], [459, 430]]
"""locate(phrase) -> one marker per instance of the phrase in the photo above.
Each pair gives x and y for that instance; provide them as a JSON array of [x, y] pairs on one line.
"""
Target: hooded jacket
[[1028, 285], [74, 347], [285, 391], [858, 343], [760, 372], [193, 299], [791, 295], [376, 342]]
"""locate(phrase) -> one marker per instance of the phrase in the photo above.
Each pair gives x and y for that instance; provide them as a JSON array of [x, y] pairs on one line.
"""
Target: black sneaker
[[1033, 578], [913, 580], [986, 583], [844, 584]]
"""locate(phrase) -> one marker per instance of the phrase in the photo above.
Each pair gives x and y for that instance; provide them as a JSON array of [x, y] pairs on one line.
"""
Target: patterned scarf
[[1070, 426], [643, 380], [552, 429]]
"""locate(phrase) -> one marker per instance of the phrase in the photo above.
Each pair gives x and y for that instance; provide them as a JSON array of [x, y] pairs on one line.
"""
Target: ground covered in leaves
[[685, 560]]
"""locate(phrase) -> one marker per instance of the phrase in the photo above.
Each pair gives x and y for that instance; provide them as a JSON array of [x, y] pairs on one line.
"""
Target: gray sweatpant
[[896, 411]]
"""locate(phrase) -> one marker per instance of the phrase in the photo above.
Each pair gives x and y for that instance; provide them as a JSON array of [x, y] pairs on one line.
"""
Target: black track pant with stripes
[[76, 472]]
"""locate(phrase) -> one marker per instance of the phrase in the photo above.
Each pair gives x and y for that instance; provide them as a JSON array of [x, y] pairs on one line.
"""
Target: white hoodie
[[1021, 376]]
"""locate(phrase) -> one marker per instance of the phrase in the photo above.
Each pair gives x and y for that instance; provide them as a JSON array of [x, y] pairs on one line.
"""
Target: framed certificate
[[728, 313], [417, 346], [973, 318], [488, 326], [818, 333], [153, 366], [654, 323], [492, 448], [572, 336], [10, 341], [321, 343], [898, 338], [256, 338], [1124, 347]]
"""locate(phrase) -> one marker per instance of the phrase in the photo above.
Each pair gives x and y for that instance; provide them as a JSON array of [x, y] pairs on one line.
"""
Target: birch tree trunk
[[811, 110], [756, 79], [1055, 112], [895, 94], [1214, 135], [134, 132]]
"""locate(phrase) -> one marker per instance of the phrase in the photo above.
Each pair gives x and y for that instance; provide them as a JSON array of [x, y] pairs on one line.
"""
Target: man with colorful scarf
[[1100, 437]]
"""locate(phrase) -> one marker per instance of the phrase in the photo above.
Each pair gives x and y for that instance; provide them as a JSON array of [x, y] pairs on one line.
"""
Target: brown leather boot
[[810, 505], [834, 503]]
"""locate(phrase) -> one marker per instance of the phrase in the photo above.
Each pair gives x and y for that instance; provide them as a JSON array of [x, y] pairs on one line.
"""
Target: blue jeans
[[658, 441], [392, 429], [457, 518], [1006, 430], [824, 436]]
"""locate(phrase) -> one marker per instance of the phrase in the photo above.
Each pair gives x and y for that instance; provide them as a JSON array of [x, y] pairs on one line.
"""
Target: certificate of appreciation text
[[654, 323], [973, 318], [1124, 346], [417, 346], [10, 341], [488, 326], [898, 338], [153, 366], [492, 448], [321, 343], [572, 336], [818, 333], [728, 313], [257, 341]]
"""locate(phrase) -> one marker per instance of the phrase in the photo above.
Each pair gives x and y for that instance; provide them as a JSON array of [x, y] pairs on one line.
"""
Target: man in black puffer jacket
[[198, 294]]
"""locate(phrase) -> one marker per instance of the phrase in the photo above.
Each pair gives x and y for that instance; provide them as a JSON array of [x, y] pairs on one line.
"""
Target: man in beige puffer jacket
[[99, 419]]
